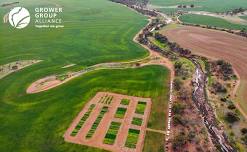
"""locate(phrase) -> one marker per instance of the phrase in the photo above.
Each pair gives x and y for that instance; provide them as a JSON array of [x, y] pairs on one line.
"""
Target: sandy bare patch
[[216, 45], [97, 139], [49, 82], [15, 66], [43, 84]]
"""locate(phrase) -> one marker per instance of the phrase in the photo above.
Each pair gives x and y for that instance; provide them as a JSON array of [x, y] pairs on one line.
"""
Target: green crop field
[[200, 5], [95, 31], [153, 142], [211, 21], [93, 34], [37, 122]]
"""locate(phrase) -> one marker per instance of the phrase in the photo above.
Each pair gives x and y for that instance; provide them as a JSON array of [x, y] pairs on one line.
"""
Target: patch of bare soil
[[49, 82], [43, 84], [15, 66], [216, 45], [98, 137]]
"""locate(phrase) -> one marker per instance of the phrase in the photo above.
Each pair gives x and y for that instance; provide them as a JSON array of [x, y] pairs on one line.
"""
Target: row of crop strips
[[82, 120], [132, 138], [140, 108], [106, 99], [96, 122], [112, 132]]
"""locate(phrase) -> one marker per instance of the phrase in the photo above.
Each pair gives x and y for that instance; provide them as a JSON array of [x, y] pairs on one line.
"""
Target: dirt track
[[217, 45]]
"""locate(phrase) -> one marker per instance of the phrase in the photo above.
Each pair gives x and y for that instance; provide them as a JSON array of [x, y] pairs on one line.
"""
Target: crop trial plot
[[120, 112], [112, 122], [137, 121]]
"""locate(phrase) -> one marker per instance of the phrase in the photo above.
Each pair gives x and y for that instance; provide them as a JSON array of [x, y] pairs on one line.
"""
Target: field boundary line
[[157, 131]]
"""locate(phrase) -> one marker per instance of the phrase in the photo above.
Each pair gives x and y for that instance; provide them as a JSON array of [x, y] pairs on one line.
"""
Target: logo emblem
[[19, 17]]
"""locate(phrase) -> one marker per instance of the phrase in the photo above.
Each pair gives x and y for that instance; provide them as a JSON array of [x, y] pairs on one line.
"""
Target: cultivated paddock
[[217, 45], [103, 123]]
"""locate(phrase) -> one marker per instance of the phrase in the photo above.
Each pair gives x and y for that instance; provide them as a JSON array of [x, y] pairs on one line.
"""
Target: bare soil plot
[[49, 82], [112, 122], [15, 66], [43, 84], [216, 45]]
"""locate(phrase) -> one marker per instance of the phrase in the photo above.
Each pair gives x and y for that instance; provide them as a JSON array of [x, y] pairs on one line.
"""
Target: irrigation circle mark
[[19, 17]]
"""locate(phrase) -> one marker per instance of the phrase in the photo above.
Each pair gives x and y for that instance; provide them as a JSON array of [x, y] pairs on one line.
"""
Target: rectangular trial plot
[[132, 138], [140, 108], [125, 101], [112, 133], [112, 122], [83, 119], [120, 112], [96, 122], [106, 99], [137, 121]]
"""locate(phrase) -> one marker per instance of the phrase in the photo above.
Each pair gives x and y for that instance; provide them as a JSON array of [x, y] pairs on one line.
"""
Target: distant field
[[202, 5], [211, 21], [217, 45], [92, 34], [154, 142], [243, 17]]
